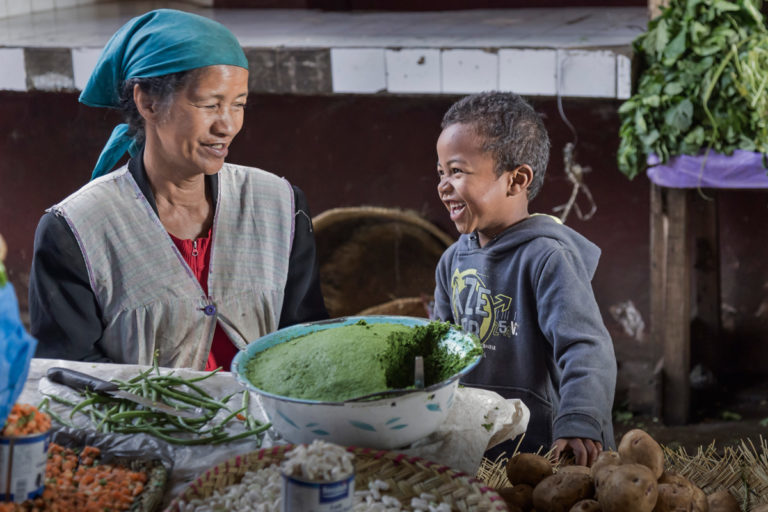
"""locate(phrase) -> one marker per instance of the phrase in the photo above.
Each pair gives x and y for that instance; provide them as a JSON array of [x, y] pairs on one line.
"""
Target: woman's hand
[[585, 451]]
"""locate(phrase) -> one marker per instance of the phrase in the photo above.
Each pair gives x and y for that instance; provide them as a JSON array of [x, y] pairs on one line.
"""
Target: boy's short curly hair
[[511, 130]]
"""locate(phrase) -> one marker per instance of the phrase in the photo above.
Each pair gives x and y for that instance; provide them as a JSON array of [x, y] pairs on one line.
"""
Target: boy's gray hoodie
[[528, 295]]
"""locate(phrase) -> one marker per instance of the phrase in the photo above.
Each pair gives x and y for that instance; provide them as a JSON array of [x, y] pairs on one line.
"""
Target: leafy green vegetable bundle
[[704, 74]]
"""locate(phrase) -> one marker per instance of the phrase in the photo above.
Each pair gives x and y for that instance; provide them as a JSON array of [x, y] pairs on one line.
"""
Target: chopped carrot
[[24, 420], [84, 487]]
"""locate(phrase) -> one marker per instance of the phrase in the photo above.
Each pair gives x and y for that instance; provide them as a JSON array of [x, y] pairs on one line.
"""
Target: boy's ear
[[519, 180]]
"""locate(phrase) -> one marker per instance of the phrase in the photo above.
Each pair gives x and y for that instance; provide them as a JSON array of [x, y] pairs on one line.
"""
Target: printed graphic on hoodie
[[478, 310]]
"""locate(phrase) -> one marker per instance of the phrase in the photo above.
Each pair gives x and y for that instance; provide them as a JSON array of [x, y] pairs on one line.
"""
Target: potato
[[561, 491], [637, 447], [505, 492], [627, 488], [602, 475], [584, 470], [586, 506], [520, 495], [674, 498], [699, 498], [722, 501], [528, 468], [607, 458]]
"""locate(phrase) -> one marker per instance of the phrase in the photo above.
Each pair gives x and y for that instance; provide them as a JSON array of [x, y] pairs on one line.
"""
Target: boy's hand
[[585, 451]]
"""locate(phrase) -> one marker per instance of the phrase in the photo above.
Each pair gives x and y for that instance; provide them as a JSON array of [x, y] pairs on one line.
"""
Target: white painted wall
[[9, 8]]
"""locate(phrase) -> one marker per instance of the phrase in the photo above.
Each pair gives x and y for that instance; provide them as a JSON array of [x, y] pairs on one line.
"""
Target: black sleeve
[[64, 315], [303, 301]]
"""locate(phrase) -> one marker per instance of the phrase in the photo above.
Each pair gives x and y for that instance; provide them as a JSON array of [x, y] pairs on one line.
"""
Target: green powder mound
[[331, 365], [346, 362], [422, 340]]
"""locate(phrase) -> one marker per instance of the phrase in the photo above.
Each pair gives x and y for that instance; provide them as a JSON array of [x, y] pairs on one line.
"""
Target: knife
[[81, 382]]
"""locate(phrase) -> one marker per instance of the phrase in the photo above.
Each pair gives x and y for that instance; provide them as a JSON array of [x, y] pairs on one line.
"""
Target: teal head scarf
[[157, 43]]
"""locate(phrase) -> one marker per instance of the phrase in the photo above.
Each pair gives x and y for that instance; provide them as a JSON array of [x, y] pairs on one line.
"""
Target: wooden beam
[[675, 329], [654, 7], [658, 257], [705, 325]]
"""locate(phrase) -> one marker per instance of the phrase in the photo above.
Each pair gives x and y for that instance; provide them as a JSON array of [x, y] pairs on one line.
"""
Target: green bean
[[81, 405], [107, 415], [146, 429], [180, 406], [110, 414], [207, 375], [231, 415], [242, 435], [194, 441], [184, 426], [186, 397], [140, 376], [119, 416], [61, 400], [181, 382], [43, 403], [58, 418]]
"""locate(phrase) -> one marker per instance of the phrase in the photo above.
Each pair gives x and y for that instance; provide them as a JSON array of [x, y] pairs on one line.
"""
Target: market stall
[[477, 418]]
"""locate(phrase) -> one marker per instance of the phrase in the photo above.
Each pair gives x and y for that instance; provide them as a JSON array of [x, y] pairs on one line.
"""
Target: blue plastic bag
[[16, 350]]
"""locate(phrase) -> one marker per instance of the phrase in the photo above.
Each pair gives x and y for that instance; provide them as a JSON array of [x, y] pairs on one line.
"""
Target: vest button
[[209, 310]]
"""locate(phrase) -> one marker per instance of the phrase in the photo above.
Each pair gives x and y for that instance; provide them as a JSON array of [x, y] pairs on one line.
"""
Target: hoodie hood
[[537, 226]]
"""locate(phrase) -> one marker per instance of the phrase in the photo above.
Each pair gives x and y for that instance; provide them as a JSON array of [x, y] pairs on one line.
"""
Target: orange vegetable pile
[[77, 482], [24, 420]]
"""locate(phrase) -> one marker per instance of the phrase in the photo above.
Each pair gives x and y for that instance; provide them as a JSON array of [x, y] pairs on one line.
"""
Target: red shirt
[[198, 256]]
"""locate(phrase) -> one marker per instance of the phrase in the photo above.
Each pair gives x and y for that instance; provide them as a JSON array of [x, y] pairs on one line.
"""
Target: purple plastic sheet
[[743, 169]]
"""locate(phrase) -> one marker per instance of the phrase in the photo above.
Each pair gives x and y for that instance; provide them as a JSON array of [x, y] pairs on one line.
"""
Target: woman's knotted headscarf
[[157, 43]]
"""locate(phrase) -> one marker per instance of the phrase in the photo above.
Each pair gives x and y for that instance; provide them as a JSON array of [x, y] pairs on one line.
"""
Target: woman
[[176, 252]]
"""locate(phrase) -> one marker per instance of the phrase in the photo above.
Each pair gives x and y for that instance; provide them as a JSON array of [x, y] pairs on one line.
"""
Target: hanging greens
[[704, 68]]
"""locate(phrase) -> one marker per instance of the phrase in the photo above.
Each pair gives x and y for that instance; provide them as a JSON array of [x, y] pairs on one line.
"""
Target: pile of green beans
[[116, 415]]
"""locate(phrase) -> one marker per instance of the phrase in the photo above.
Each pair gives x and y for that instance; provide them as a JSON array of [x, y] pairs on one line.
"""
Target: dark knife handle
[[78, 380]]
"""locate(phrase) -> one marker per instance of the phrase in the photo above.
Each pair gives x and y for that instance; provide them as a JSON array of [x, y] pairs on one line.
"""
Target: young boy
[[521, 282]]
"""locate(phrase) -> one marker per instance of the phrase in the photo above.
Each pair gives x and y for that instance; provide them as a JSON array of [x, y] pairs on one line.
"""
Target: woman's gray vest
[[150, 299]]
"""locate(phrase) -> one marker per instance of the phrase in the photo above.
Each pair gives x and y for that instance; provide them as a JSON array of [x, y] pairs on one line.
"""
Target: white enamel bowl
[[393, 419]]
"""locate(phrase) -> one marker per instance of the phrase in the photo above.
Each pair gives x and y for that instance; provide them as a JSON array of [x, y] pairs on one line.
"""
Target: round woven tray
[[368, 256], [407, 477], [405, 306]]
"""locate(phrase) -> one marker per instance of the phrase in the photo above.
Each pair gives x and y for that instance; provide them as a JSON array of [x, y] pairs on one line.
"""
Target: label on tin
[[22, 467], [318, 496]]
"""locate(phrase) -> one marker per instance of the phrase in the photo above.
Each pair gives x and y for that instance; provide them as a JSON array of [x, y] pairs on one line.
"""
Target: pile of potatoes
[[630, 480]]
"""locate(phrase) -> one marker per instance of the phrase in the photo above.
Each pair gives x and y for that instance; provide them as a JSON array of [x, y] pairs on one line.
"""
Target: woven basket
[[406, 306], [407, 477], [742, 469], [369, 256]]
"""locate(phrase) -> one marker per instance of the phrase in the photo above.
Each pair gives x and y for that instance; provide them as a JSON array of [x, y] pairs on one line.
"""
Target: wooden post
[[658, 225], [654, 7], [705, 326], [675, 328]]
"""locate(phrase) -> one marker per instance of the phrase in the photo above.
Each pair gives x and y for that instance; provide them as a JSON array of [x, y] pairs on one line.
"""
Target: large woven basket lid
[[407, 477], [406, 306], [371, 255]]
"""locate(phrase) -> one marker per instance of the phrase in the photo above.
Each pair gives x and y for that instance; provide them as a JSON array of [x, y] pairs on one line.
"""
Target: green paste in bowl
[[337, 364]]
